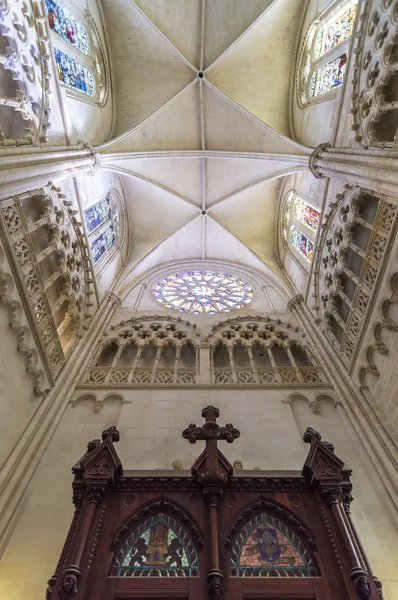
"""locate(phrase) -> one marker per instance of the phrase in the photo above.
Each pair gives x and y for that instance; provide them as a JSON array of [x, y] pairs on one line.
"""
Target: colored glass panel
[[304, 213], [328, 76], [102, 243], [203, 292], [64, 24], [266, 547], [159, 547], [336, 30], [73, 74], [301, 243], [98, 213]]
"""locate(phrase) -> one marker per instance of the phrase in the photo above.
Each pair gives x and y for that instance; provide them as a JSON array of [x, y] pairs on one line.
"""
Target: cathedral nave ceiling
[[202, 124]]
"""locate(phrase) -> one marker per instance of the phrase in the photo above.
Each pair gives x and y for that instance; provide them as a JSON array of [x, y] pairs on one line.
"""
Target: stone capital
[[295, 301], [112, 297]]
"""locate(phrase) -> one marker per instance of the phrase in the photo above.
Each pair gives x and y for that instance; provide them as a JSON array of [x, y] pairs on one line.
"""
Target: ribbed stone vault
[[202, 123]]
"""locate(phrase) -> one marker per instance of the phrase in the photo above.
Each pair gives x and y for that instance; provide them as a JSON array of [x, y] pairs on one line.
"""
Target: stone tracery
[[261, 351], [26, 85], [375, 97], [352, 247], [147, 350], [53, 262]]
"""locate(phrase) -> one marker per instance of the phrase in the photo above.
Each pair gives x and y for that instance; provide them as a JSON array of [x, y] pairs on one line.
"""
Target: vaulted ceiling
[[201, 134]]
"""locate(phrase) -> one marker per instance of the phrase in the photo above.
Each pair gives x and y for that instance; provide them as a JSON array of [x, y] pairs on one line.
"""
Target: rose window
[[203, 292]]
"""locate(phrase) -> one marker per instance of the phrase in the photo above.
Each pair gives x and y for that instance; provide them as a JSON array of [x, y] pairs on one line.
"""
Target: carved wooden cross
[[207, 466]]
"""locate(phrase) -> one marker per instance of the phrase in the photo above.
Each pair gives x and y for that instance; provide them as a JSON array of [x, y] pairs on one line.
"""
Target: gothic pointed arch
[[160, 540], [260, 350], [79, 56], [323, 59], [299, 220], [155, 349], [267, 540], [106, 227]]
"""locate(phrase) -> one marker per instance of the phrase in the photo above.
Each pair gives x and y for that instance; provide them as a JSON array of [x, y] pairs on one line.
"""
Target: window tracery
[[300, 225], [149, 350], [375, 94], [247, 351], [165, 350], [159, 547], [203, 292], [102, 226], [352, 249], [50, 252], [324, 56], [266, 547]]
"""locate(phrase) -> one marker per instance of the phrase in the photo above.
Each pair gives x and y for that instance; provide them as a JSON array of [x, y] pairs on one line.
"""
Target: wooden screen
[[214, 533]]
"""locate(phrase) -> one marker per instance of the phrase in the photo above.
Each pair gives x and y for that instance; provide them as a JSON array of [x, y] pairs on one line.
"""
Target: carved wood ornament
[[212, 533]]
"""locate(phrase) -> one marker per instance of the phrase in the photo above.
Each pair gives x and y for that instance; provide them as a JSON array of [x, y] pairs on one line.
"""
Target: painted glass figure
[[328, 76], [306, 214], [266, 547], [301, 243], [336, 30], [102, 243], [159, 547], [73, 74], [65, 25], [98, 213]]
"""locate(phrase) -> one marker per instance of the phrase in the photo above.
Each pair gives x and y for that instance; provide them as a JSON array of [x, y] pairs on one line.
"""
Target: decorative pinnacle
[[112, 432]]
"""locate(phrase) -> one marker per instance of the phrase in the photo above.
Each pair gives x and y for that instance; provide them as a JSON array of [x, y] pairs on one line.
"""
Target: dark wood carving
[[212, 505]]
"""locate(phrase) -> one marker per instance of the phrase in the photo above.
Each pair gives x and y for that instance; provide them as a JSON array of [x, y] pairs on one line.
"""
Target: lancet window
[[266, 547], [67, 26], [324, 56], [78, 58], [352, 250], [159, 547], [53, 266], [102, 226], [300, 224]]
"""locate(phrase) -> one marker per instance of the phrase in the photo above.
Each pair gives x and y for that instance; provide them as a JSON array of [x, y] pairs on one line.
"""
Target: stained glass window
[[159, 547], [336, 30], [301, 243], [266, 547], [203, 292], [64, 24], [306, 214], [102, 243], [73, 74], [328, 76], [98, 213]]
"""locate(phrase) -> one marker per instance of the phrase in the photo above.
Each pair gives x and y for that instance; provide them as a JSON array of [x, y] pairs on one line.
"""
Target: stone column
[[30, 167], [23, 460], [372, 168]]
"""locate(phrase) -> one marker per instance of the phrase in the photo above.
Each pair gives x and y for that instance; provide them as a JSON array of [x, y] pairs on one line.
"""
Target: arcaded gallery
[[199, 299]]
